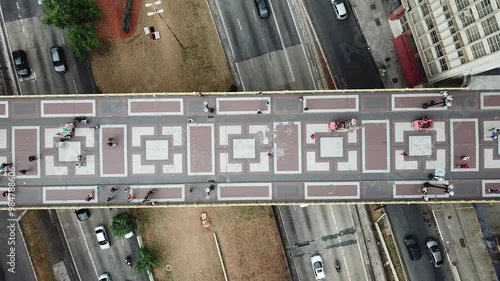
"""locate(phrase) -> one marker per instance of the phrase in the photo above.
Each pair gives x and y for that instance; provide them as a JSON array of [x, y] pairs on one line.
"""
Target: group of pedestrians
[[494, 133], [464, 164]]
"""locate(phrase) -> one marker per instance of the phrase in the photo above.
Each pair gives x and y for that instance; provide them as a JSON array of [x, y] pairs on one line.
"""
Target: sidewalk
[[463, 242], [372, 17]]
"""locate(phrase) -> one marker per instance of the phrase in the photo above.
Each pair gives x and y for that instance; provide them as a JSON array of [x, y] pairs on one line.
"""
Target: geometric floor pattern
[[247, 148]]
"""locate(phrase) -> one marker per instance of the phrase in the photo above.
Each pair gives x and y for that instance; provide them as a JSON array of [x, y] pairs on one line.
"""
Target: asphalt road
[[344, 47], [267, 53], [417, 220], [26, 32], [327, 230], [89, 259], [23, 270]]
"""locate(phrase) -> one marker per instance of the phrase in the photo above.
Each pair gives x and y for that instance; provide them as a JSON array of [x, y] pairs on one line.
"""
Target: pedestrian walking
[[6, 164], [313, 136], [463, 166], [301, 99], [80, 157], [200, 95], [465, 158], [424, 191], [190, 120], [129, 198], [113, 189], [152, 203], [109, 199], [95, 127], [493, 130], [191, 189], [5, 193], [111, 144], [23, 171], [89, 197], [32, 158], [494, 137], [306, 108], [78, 164], [270, 154], [490, 190], [62, 139], [268, 103], [404, 154], [259, 111]]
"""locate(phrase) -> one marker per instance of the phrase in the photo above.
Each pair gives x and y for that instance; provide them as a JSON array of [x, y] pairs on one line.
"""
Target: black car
[[262, 8], [82, 214], [57, 56], [21, 62], [412, 246]]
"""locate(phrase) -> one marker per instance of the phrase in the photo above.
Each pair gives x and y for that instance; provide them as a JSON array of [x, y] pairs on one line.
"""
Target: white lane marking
[[359, 246], [251, 62], [341, 247], [281, 39], [239, 23], [62, 36], [88, 249], [314, 210], [76, 89], [17, 5], [230, 45], [302, 45]]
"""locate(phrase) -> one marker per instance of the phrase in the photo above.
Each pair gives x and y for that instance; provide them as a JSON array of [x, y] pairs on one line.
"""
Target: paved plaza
[[269, 147]]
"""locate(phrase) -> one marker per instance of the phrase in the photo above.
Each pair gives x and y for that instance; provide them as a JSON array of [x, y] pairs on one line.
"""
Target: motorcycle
[[337, 266], [128, 262]]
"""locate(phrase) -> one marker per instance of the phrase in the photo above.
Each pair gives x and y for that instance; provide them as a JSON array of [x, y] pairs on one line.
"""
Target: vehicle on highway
[[412, 246], [57, 56], [21, 63], [317, 265], [82, 214], [262, 8], [434, 252], [104, 277], [340, 10], [102, 237]]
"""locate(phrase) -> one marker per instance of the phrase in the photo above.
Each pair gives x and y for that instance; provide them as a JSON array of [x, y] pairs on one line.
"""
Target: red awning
[[407, 61]]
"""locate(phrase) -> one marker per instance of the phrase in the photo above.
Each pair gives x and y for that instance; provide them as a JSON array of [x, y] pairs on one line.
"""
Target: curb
[[292, 269], [361, 240], [26, 246]]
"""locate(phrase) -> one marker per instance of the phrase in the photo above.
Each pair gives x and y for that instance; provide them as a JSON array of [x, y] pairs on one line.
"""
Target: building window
[[490, 25], [433, 68], [415, 16], [494, 43], [478, 50], [439, 50], [434, 37], [467, 17], [428, 55], [444, 64], [473, 34], [419, 28], [404, 23], [425, 10], [484, 8], [461, 4], [429, 23], [424, 43]]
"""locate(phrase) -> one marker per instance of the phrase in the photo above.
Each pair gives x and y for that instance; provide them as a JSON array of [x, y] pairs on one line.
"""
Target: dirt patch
[[37, 251], [110, 24], [248, 238], [140, 64]]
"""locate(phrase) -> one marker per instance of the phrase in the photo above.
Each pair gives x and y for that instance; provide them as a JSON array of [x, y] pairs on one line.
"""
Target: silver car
[[102, 237], [435, 254]]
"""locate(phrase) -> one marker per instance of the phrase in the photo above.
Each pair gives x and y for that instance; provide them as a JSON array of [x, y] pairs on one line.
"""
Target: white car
[[340, 10], [317, 265], [104, 277], [102, 237]]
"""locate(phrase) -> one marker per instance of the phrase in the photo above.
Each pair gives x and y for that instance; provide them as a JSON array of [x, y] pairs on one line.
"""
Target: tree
[[79, 17], [68, 13], [83, 39], [122, 224], [147, 260]]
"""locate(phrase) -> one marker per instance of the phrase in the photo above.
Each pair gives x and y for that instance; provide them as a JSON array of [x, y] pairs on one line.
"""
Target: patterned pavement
[[252, 147]]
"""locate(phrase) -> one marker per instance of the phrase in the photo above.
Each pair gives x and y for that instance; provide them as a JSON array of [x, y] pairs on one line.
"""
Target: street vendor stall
[[66, 130], [344, 126]]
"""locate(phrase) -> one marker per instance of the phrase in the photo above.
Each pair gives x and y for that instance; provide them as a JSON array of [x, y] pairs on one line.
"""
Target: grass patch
[[37, 251]]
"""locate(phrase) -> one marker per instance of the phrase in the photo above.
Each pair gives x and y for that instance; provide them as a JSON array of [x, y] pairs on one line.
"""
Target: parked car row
[[432, 246], [22, 65]]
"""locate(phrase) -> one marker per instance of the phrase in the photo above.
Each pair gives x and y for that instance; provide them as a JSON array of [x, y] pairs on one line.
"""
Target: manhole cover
[[449, 217], [168, 267], [377, 21]]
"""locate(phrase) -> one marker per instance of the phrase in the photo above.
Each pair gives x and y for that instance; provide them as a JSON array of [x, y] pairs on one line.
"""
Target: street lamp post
[[446, 100], [159, 13], [448, 188]]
